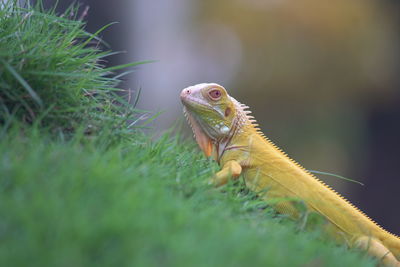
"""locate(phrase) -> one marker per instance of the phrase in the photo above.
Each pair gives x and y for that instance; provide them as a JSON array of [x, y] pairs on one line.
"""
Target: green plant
[[52, 72], [143, 203]]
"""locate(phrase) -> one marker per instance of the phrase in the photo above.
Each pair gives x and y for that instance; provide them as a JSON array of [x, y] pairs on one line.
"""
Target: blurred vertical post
[[187, 50]]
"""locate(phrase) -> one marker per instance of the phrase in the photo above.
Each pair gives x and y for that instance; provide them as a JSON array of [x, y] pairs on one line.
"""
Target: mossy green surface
[[138, 204]]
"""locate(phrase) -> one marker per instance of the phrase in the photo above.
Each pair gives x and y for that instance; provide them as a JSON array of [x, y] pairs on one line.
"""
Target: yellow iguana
[[224, 129]]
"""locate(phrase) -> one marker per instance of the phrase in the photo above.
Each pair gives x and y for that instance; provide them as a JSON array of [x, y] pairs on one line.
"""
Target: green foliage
[[52, 72], [140, 204]]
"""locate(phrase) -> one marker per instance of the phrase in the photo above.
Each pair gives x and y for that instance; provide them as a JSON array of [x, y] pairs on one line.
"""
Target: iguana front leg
[[230, 170]]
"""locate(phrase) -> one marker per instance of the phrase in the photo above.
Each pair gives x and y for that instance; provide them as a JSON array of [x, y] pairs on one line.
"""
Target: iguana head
[[210, 112]]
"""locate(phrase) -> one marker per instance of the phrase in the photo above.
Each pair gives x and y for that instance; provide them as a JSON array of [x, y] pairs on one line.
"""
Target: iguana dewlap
[[224, 129]]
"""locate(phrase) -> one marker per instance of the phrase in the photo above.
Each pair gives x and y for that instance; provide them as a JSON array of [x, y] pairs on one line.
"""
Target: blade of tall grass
[[337, 176], [133, 64], [95, 35], [22, 81]]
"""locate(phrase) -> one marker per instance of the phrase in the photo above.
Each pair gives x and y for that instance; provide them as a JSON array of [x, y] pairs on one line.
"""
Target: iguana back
[[284, 178]]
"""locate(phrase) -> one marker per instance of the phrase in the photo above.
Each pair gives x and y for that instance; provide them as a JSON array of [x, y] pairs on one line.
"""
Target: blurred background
[[321, 77]]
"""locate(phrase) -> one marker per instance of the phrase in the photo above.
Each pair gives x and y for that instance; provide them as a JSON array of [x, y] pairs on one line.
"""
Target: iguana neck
[[242, 125]]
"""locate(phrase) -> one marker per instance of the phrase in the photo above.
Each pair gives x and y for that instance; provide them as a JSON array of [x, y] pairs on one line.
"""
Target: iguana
[[224, 129]]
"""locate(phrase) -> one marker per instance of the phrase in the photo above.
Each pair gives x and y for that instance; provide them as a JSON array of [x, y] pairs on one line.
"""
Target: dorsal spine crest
[[243, 113]]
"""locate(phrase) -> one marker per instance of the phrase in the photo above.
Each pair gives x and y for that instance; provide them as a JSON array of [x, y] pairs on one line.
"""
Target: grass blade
[[337, 176], [95, 35], [132, 64], [137, 97], [24, 84]]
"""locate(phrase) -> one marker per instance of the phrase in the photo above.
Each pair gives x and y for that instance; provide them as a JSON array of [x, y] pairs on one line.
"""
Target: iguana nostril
[[185, 93]]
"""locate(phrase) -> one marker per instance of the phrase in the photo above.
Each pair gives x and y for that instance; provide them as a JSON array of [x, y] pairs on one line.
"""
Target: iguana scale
[[224, 129]]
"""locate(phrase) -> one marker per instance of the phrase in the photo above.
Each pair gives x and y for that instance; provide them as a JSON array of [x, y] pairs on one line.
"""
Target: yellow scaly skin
[[224, 129]]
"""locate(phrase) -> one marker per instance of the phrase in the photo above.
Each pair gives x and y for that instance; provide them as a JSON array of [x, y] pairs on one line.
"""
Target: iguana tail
[[387, 249], [393, 244]]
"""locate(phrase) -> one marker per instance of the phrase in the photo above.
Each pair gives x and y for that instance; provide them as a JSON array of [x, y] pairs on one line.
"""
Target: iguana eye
[[215, 94]]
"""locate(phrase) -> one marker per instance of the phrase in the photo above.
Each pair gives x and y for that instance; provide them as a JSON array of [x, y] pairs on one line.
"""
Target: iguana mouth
[[193, 103]]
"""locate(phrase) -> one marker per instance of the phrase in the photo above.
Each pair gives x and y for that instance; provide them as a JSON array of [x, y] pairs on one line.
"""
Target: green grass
[[52, 72], [138, 204]]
